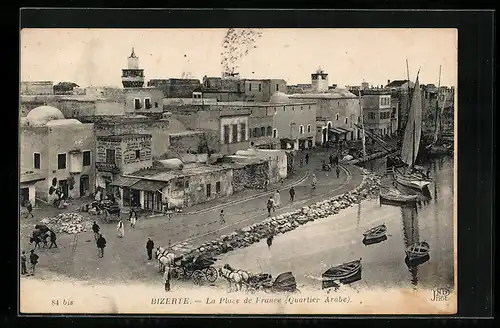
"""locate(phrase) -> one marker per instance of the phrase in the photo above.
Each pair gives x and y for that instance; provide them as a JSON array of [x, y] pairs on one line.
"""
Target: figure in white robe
[[120, 229], [277, 201]]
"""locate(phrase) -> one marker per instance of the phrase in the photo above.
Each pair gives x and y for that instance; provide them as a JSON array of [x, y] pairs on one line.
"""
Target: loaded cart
[[198, 269]]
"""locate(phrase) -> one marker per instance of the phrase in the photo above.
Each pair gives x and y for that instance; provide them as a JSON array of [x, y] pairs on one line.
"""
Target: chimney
[[388, 82]]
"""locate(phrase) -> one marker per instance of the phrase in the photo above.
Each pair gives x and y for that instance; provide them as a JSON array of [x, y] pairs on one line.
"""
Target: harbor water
[[311, 249]]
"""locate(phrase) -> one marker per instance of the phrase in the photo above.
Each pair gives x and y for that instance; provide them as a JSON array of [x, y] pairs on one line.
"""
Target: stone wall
[[250, 177]]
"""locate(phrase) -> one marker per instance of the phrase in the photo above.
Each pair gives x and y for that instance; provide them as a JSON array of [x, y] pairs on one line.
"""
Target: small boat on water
[[417, 251], [375, 232], [343, 271], [396, 196]]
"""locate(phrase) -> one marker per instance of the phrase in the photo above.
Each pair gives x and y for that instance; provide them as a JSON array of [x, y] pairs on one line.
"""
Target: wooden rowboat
[[343, 271], [397, 197], [417, 250], [375, 232]]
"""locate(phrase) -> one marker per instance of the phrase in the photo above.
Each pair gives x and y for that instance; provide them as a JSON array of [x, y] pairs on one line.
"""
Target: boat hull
[[396, 199], [410, 182], [373, 241], [356, 268]]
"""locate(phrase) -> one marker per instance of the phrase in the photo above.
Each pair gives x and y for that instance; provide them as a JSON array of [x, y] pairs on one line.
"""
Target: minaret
[[133, 76], [319, 81]]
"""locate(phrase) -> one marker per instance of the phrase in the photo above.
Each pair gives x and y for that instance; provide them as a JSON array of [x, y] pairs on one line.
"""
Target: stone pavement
[[125, 258]]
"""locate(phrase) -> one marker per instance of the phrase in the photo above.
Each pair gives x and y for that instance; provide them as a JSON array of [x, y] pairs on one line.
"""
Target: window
[[269, 131], [284, 108], [254, 132], [249, 86], [86, 158], [226, 134], [301, 108], [308, 128], [209, 189], [110, 156], [147, 103], [235, 133], [309, 106], [336, 117], [36, 160], [345, 120], [137, 103], [137, 154], [301, 129], [243, 131], [156, 104], [275, 133], [371, 115], [260, 87], [217, 187], [262, 131], [61, 161], [277, 87]]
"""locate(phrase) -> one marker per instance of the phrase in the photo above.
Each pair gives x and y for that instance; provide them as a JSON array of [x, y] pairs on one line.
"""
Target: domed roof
[[279, 97], [43, 114], [69, 121]]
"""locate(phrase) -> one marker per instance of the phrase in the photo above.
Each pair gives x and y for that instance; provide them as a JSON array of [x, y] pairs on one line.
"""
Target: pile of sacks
[[71, 223], [282, 223]]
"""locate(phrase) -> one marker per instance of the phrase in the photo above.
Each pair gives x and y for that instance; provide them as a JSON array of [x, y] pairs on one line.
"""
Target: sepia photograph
[[238, 171]]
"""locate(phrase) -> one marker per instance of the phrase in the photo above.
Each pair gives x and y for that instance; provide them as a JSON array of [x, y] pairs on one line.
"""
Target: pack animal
[[164, 258], [234, 277]]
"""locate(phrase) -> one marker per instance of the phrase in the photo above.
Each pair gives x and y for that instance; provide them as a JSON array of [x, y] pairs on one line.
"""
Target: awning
[[345, 129], [337, 131], [265, 141], [124, 181], [149, 185], [306, 138], [31, 177]]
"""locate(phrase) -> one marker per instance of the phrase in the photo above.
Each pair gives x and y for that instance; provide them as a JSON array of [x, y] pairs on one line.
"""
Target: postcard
[[238, 171]]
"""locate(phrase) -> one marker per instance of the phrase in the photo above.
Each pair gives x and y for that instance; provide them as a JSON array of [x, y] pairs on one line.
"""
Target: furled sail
[[413, 131]]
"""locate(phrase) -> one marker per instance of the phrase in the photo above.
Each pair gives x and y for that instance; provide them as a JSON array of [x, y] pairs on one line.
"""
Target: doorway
[[135, 197], [84, 185], [64, 187], [24, 195], [209, 190]]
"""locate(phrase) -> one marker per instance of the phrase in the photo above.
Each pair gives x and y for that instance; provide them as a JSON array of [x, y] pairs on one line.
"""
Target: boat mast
[[437, 118], [363, 140]]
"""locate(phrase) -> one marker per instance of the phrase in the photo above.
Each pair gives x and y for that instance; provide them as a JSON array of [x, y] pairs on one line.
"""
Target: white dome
[[279, 98], [39, 116]]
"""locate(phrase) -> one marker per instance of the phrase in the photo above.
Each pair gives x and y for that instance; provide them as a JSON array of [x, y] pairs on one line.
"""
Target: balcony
[[107, 167]]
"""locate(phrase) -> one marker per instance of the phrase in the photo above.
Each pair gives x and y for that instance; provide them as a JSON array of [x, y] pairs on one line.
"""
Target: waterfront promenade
[[125, 258]]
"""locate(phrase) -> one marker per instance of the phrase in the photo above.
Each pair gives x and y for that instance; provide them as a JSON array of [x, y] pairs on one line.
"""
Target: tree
[[65, 87]]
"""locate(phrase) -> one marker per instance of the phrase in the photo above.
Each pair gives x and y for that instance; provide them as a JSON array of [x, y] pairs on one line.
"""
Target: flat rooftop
[[164, 174]]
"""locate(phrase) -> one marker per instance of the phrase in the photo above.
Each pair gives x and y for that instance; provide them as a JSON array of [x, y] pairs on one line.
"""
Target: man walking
[[95, 229], [23, 263], [149, 246], [292, 194], [307, 159], [101, 243], [221, 217], [166, 279], [270, 205], [33, 261], [52, 239], [29, 207], [301, 161], [337, 170], [266, 184], [314, 181]]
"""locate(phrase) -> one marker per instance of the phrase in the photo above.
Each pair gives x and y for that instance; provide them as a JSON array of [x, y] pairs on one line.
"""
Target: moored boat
[[375, 232], [343, 271], [397, 197], [417, 251]]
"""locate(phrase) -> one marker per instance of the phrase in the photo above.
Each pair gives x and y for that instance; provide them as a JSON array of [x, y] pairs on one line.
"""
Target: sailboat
[[407, 174]]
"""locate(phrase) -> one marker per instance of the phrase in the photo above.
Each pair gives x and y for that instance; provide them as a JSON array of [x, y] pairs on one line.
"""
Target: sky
[[350, 56]]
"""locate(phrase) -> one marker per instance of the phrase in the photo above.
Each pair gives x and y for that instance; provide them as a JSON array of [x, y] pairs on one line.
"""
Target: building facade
[[60, 150], [377, 110], [37, 88], [175, 88]]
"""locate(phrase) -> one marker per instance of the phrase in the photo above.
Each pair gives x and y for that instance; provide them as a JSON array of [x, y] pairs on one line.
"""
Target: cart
[[198, 269]]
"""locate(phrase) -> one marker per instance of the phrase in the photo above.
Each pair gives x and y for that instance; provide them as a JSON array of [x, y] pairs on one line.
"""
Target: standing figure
[[120, 229], [101, 243], [149, 247], [314, 181], [330, 158], [221, 217], [23, 263], [307, 158], [95, 229], [301, 161], [29, 207], [34, 261], [337, 170], [166, 279], [270, 241], [277, 198], [133, 218], [266, 184], [292, 194], [270, 205], [52, 239]]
